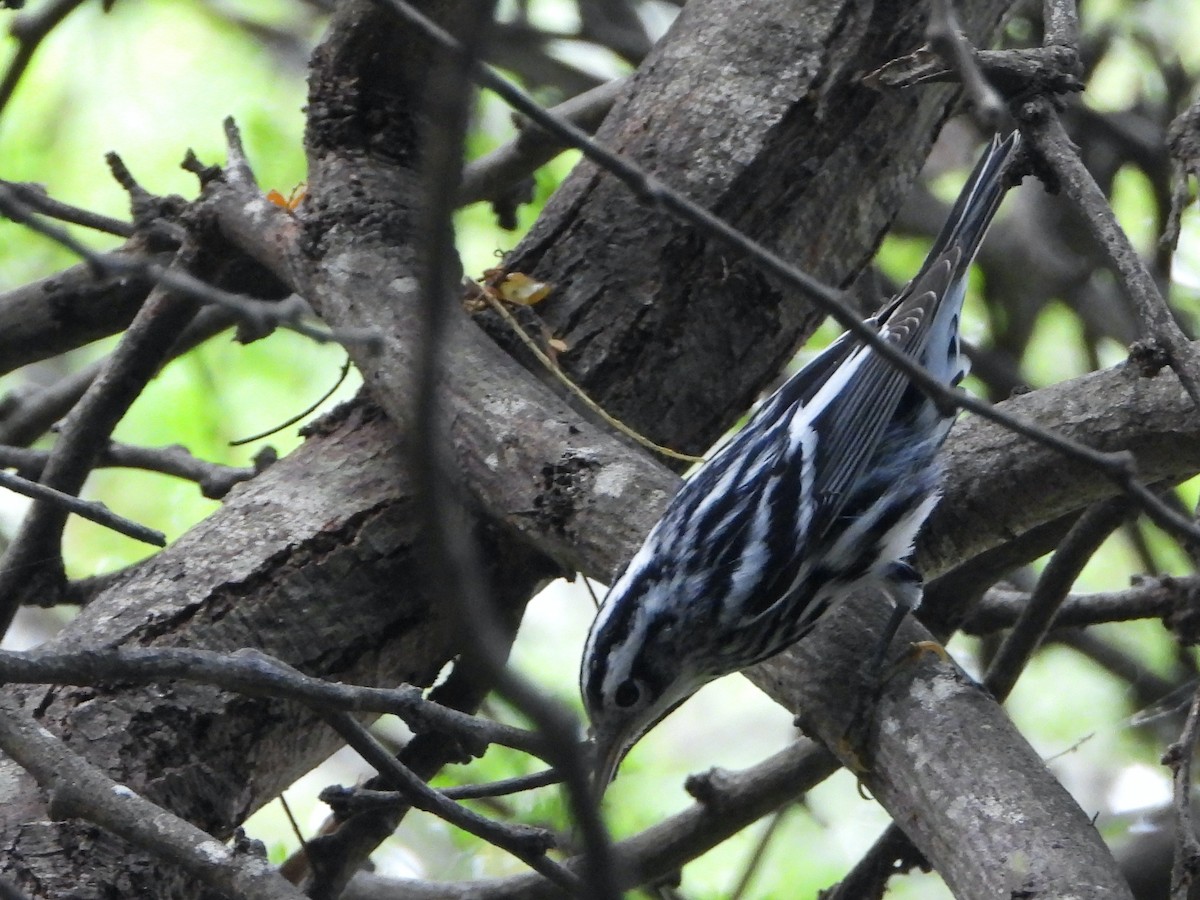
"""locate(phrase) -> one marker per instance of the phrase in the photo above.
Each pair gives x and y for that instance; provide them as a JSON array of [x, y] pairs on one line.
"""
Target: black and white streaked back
[[821, 493]]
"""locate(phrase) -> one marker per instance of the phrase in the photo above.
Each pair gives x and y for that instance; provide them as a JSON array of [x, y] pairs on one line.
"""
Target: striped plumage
[[821, 493]]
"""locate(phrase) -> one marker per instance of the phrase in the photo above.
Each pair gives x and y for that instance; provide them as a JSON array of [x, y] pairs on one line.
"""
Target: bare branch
[[527, 844], [1041, 121], [69, 309], [345, 802], [1081, 542], [36, 198], [491, 176], [85, 509], [949, 43], [256, 674], [1150, 598], [1179, 757], [30, 29], [79, 790]]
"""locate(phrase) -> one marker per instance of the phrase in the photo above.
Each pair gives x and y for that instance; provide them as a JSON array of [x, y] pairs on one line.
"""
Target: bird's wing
[[848, 418]]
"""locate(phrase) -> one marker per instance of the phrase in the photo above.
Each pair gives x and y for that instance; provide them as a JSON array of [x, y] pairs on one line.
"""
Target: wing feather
[[848, 431]]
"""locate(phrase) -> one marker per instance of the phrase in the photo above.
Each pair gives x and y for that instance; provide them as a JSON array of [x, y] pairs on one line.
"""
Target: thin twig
[[504, 787], [1041, 121], [30, 29], [347, 801], [946, 39], [554, 369], [36, 198], [760, 851], [587, 583], [1073, 553], [307, 411], [85, 509], [525, 843], [455, 556], [1119, 467], [213, 479], [490, 176], [295, 826], [256, 674]]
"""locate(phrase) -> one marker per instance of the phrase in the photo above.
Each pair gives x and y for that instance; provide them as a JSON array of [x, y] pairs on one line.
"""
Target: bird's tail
[[977, 203], [946, 268]]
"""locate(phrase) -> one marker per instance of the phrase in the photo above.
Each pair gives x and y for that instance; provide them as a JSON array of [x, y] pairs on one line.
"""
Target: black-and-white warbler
[[820, 494]]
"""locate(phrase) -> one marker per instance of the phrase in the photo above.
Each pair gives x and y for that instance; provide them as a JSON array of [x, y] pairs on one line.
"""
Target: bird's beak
[[609, 751]]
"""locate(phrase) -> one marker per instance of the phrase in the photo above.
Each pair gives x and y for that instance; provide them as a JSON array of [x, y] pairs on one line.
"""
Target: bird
[[820, 494]]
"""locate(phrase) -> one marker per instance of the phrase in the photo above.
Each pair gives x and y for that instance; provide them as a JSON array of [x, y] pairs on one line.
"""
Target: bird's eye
[[628, 693]]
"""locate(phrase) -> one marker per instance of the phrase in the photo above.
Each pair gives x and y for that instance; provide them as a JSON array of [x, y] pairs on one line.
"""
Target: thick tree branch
[[1000, 826], [78, 790], [70, 309]]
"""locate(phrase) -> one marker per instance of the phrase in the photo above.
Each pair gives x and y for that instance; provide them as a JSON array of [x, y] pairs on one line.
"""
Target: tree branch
[[1149, 598], [78, 790]]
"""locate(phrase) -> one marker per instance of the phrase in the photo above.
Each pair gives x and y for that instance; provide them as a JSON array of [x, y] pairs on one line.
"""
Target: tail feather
[[976, 204]]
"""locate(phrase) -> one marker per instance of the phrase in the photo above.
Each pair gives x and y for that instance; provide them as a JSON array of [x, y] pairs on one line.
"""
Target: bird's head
[[636, 669]]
